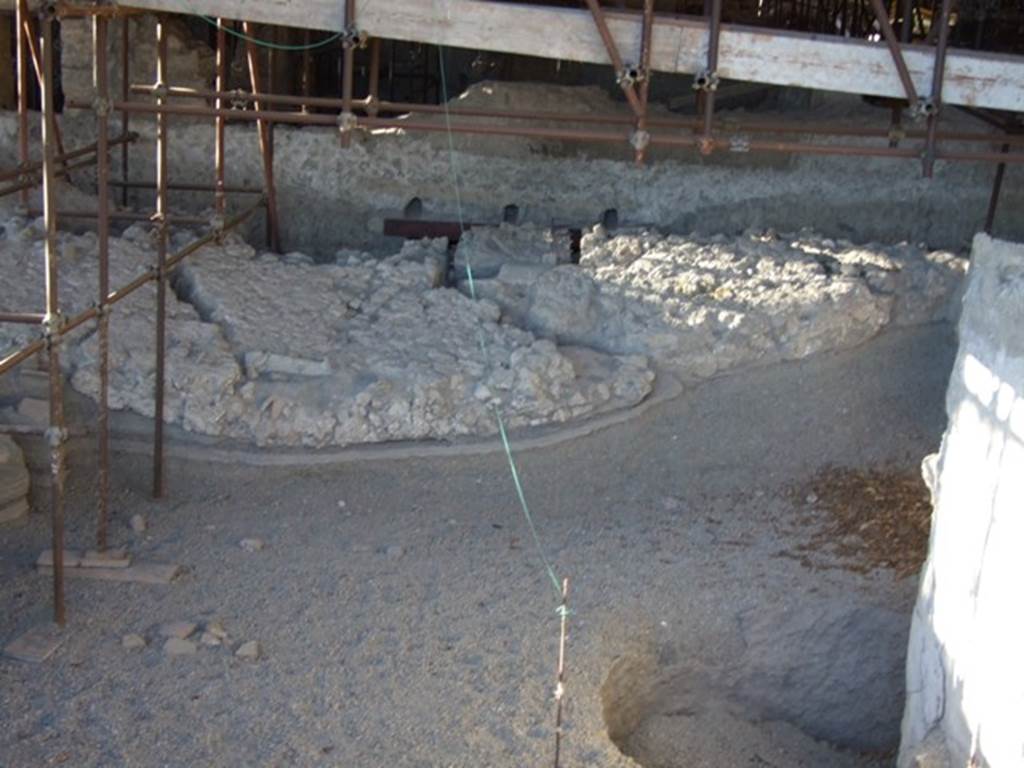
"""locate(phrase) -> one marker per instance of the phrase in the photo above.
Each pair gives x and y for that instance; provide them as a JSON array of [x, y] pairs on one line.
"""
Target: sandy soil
[[414, 626]]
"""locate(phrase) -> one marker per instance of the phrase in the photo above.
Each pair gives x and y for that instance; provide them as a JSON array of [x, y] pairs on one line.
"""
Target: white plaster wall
[[965, 666]]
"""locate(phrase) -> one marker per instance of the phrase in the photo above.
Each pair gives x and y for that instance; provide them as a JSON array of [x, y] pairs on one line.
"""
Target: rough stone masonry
[[965, 673]]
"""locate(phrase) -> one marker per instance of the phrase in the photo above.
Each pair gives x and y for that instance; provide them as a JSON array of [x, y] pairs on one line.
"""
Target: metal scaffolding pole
[[159, 483], [125, 83], [641, 138], [56, 434], [220, 200], [102, 86], [21, 11], [266, 150]]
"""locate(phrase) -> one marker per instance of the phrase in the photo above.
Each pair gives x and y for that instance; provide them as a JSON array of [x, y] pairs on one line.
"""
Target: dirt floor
[[404, 618]]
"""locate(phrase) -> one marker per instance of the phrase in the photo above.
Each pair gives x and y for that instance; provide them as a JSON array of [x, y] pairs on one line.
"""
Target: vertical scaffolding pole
[[159, 485], [56, 434], [21, 16], [374, 100], [937, 78], [125, 94], [997, 186], [102, 86], [218, 147], [641, 137], [708, 81], [263, 129], [348, 72]]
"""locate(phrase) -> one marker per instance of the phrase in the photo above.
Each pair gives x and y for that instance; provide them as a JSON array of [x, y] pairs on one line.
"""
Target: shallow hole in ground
[[815, 684]]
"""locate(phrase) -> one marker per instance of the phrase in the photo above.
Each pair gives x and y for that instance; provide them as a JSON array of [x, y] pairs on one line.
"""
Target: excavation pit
[[819, 683]]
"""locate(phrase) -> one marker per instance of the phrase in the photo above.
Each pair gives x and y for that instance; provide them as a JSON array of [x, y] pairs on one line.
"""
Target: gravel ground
[[414, 626]]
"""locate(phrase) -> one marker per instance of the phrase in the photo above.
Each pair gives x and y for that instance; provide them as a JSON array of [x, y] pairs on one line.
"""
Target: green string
[[266, 43], [520, 493]]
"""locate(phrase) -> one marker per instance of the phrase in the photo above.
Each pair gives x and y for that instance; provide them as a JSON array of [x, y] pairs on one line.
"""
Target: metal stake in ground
[[563, 611]]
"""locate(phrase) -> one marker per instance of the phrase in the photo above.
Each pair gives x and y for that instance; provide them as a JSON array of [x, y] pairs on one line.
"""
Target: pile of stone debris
[[14, 481]]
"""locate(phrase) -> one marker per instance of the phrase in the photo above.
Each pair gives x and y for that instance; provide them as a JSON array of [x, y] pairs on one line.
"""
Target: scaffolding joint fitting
[[102, 107], [706, 145], [48, 12], [639, 139], [347, 122], [53, 323], [924, 108], [896, 134], [160, 90], [739, 144], [102, 309], [353, 37], [55, 436], [706, 80], [237, 99], [629, 76]]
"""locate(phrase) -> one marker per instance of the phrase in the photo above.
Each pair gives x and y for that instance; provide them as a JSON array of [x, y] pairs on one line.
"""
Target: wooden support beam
[[773, 57]]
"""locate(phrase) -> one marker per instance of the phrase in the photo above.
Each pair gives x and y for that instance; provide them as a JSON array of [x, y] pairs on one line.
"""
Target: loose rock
[[176, 646], [177, 629], [250, 651], [251, 545], [138, 523], [133, 642]]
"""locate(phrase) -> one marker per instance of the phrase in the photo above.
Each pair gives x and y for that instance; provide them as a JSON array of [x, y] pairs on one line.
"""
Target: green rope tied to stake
[[268, 44], [520, 493]]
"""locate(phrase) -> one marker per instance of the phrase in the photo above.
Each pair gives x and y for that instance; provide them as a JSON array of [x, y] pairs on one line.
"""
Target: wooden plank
[[138, 572], [36, 645], [751, 54]]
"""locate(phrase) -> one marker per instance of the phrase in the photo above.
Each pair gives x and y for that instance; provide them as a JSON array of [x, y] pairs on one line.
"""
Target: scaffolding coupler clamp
[[101, 308], [353, 37], [706, 80], [639, 139], [53, 323], [629, 76], [347, 122], [160, 90], [739, 144], [896, 133], [55, 436], [101, 106], [237, 99], [924, 108]]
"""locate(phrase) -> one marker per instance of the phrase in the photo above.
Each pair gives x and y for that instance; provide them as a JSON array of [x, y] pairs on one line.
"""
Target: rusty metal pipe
[[21, 12], [348, 72], [714, 31], [641, 136], [182, 187], [159, 484], [374, 87], [124, 216], [728, 126], [24, 318], [993, 200], [125, 82], [882, 16], [937, 80], [219, 198], [102, 87], [614, 55], [72, 155], [34, 57], [263, 128], [56, 432]]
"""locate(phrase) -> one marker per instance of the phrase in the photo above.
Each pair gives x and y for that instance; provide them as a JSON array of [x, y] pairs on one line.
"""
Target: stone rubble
[[702, 306], [281, 351], [176, 646], [133, 642], [249, 651]]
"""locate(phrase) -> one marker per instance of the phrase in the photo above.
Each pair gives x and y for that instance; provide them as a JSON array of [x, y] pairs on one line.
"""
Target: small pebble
[[216, 629], [394, 550], [175, 646], [250, 651], [812, 498], [177, 629], [133, 642], [341, 503], [251, 545], [208, 638], [138, 523], [671, 504]]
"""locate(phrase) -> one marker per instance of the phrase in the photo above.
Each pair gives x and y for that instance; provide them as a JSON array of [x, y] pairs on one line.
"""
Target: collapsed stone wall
[[965, 674]]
